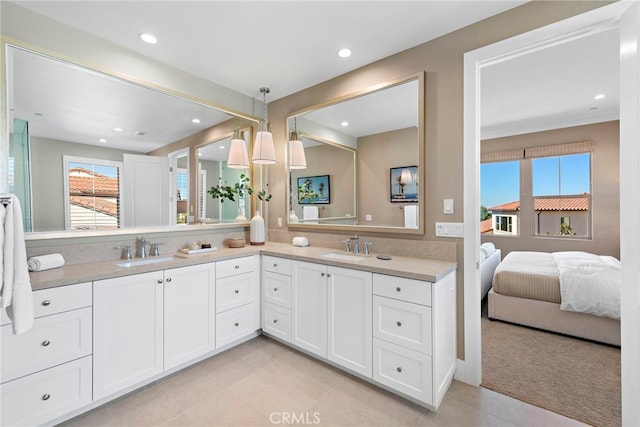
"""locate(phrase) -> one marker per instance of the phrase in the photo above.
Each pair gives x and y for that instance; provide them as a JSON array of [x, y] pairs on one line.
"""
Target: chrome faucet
[[141, 247], [356, 244]]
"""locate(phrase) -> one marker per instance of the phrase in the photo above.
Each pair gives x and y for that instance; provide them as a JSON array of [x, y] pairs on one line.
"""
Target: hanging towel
[[411, 216], [310, 213], [15, 290], [45, 262]]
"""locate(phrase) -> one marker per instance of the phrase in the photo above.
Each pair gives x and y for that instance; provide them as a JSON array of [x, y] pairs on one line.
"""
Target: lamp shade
[[406, 177], [238, 156], [263, 150], [297, 158]]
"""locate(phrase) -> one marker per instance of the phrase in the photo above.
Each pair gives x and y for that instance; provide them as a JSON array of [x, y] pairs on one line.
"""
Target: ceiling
[[288, 46]]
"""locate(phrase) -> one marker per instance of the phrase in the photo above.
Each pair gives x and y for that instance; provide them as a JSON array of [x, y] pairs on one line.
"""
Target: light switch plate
[[448, 207], [449, 229]]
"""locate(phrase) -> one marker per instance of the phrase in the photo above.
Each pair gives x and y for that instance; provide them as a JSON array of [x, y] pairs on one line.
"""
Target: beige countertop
[[413, 268]]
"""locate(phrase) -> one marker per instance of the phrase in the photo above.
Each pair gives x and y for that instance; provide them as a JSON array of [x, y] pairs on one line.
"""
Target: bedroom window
[[562, 195], [500, 196], [92, 193]]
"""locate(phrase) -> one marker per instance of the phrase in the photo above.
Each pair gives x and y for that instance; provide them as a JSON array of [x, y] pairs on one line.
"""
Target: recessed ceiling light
[[148, 38], [599, 96], [345, 124], [118, 129], [195, 120], [102, 140], [344, 53], [39, 114], [222, 147]]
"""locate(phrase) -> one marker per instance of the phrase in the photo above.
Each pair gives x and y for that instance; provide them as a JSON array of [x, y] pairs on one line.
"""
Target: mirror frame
[[7, 42], [420, 77]]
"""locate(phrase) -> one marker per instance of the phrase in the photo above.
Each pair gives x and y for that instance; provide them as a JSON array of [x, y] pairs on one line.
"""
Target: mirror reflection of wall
[[361, 139], [58, 108]]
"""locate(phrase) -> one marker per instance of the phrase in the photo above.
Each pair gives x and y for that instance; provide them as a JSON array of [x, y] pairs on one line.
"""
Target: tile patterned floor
[[264, 383]]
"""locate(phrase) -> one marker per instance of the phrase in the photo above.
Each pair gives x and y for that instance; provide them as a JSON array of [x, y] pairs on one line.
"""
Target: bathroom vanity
[[102, 330]]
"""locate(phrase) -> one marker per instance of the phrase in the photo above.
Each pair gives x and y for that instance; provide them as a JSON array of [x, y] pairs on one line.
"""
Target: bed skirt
[[548, 316]]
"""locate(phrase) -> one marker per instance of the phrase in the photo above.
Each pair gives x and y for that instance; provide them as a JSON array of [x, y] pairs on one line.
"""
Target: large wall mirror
[[80, 143], [364, 161]]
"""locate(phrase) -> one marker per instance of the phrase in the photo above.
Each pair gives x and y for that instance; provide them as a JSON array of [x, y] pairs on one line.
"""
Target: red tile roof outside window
[[548, 204]]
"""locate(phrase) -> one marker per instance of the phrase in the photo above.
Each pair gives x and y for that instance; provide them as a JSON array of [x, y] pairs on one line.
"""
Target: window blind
[[559, 149]]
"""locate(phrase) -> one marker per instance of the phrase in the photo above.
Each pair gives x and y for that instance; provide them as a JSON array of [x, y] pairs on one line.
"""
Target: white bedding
[[589, 283]]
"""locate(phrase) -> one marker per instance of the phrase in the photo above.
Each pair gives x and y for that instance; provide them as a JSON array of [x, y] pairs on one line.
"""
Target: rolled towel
[[300, 241], [45, 262]]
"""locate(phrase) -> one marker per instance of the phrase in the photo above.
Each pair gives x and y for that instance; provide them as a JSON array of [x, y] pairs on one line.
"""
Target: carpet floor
[[573, 377]]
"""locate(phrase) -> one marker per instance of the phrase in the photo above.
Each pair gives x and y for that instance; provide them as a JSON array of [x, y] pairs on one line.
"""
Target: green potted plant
[[236, 192]]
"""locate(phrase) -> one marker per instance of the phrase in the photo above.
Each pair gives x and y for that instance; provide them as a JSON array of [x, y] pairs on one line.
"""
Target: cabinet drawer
[[276, 288], [402, 323], [235, 324], [235, 266], [52, 340], [410, 290], [276, 321], [276, 265], [235, 291], [402, 369], [57, 300], [44, 396]]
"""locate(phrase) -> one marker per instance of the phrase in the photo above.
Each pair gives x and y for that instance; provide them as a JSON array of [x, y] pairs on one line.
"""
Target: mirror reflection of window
[[92, 194]]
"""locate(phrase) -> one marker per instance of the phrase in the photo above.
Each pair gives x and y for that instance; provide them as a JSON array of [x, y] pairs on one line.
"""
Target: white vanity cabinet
[[237, 299], [46, 371], [276, 297], [309, 301], [414, 348]]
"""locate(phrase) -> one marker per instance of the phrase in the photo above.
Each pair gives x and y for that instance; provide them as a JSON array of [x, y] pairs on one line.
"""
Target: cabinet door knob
[[399, 323], [275, 320], [275, 265], [275, 289], [399, 369], [237, 291], [46, 343], [46, 396], [237, 267], [321, 274], [398, 289], [328, 275], [168, 279], [160, 281], [237, 324], [46, 303]]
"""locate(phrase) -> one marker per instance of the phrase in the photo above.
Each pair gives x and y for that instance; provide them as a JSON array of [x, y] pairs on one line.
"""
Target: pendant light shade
[[297, 158], [238, 156], [264, 151]]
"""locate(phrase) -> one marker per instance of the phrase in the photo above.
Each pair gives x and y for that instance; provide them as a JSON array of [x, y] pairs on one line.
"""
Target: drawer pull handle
[[168, 279], [328, 275], [160, 281], [275, 289], [237, 267], [237, 291], [275, 265], [399, 323], [321, 274], [46, 396], [275, 320], [398, 289], [399, 369], [46, 303], [46, 343], [237, 324]]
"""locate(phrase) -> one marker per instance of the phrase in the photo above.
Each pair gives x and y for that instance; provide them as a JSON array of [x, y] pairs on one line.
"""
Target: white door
[[127, 331], [146, 192], [189, 313], [309, 307], [350, 299]]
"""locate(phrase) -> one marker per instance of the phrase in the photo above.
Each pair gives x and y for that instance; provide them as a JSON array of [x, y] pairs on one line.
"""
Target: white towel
[[15, 291], [309, 213], [411, 216], [45, 262], [300, 241]]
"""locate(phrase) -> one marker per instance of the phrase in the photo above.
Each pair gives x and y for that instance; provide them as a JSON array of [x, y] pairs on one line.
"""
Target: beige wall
[[376, 155], [442, 59], [605, 178]]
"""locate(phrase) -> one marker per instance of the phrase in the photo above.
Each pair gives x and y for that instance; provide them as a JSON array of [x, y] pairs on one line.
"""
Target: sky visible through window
[[564, 175]]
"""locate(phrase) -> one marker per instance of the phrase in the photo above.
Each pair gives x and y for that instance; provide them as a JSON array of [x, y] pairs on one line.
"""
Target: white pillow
[[483, 255], [487, 249]]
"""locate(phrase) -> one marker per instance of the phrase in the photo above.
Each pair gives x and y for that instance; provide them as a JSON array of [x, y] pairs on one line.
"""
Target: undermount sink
[[343, 257], [145, 261]]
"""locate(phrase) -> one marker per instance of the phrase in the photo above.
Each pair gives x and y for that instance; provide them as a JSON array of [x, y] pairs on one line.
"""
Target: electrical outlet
[[280, 222], [368, 217], [449, 229]]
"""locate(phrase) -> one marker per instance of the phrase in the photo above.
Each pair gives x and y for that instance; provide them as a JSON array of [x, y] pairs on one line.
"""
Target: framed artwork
[[314, 190], [403, 184]]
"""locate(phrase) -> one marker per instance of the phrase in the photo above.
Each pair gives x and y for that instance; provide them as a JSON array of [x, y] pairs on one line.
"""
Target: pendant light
[[263, 150], [238, 156], [297, 158]]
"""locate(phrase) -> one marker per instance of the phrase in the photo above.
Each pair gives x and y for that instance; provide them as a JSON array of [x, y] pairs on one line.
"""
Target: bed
[[573, 293]]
